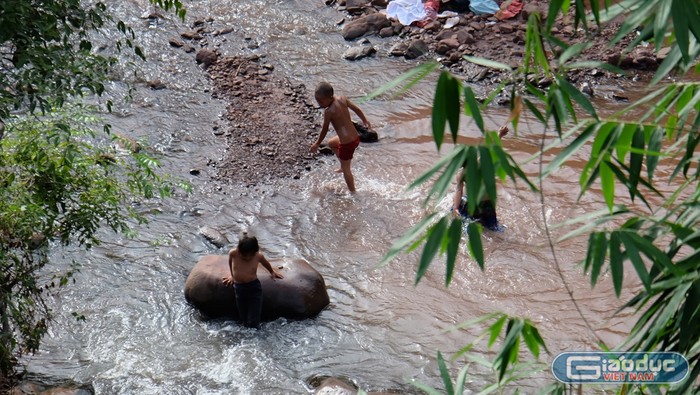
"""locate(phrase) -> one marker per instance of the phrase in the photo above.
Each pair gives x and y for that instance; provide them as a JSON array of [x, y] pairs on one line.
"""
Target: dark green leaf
[[475, 247], [435, 235], [454, 234], [471, 107], [445, 374]]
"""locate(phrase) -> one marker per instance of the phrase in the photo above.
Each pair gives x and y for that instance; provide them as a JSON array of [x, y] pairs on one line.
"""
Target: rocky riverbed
[[271, 122]]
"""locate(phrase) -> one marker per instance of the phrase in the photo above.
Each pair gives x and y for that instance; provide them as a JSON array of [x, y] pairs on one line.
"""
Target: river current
[[380, 330]]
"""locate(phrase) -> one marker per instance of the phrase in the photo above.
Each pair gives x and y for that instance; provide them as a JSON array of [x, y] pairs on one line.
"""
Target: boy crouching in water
[[243, 263], [347, 139]]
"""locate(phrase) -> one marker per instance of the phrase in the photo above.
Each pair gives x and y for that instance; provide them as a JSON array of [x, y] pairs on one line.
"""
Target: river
[[381, 331]]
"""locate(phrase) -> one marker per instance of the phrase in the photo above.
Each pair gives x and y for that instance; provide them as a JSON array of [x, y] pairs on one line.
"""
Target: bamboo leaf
[[577, 96], [407, 239], [473, 180], [531, 341], [597, 248], [412, 77], [633, 254], [439, 117], [616, 259], [435, 235], [475, 247], [461, 379], [495, 330], [488, 174], [554, 9], [488, 63], [607, 181], [445, 374], [662, 318], [680, 25], [454, 234], [636, 160], [449, 158], [471, 107]]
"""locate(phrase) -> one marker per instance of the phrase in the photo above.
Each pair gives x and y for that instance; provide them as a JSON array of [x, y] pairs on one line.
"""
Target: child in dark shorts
[[485, 211], [243, 262]]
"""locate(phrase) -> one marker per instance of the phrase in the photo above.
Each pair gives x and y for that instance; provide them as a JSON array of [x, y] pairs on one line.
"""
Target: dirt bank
[[271, 122]]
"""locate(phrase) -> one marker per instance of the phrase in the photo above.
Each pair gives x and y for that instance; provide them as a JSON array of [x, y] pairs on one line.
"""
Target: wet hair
[[248, 245], [324, 89]]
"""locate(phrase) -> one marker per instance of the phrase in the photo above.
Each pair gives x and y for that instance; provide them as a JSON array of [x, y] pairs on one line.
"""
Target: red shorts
[[345, 151]]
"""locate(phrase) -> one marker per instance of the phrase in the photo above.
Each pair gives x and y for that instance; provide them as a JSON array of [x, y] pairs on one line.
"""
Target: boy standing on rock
[[243, 262], [347, 140]]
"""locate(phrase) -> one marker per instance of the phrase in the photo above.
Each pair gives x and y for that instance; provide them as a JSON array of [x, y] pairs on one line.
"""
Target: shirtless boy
[[485, 211], [347, 140], [243, 262]]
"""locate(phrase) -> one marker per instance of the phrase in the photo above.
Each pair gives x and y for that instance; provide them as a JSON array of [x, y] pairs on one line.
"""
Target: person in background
[[485, 211]]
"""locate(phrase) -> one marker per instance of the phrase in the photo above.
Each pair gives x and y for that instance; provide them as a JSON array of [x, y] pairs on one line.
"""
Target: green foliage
[[659, 239], [60, 184], [59, 181], [46, 52]]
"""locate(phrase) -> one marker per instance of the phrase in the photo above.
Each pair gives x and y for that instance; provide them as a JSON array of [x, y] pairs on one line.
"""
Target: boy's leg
[[242, 303], [249, 300], [333, 143], [254, 310], [347, 174]]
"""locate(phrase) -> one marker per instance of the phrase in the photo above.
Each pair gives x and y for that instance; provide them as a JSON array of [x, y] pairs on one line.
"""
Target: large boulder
[[367, 24], [300, 294]]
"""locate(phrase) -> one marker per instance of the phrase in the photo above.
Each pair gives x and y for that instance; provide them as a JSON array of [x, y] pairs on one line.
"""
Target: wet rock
[[191, 35], [325, 150], [433, 26], [444, 34], [368, 24], [221, 32], [335, 386], [399, 49], [416, 49], [447, 45], [505, 28], [174, 42], [478, 26], [586, 88], [386, 32], [464, 37], [620, 97], [207, 57], [356, 53], [366, 135], [531, 8], [156, 84], [663, 54], [213, 236], [355, 6], [644, 60]]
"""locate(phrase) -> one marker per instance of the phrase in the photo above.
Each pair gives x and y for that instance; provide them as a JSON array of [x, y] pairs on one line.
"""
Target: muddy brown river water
[[381, 331]]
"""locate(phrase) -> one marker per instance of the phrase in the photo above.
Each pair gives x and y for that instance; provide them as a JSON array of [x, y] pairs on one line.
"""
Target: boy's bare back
[[245, 269], [338, 115]]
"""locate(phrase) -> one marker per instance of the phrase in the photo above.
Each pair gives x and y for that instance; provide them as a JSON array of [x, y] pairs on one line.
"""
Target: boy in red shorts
[[336, 113]]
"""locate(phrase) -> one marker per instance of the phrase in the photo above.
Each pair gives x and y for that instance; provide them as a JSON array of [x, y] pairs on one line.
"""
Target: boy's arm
[[229, 280], [359, 113], [273, 273], [457, 199], [324, 130]]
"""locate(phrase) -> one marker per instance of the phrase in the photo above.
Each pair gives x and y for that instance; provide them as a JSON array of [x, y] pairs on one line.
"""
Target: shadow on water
[[141, 337]]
